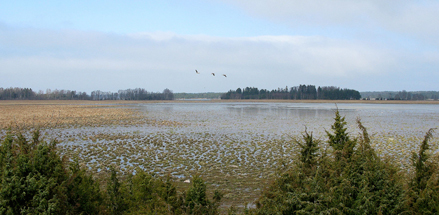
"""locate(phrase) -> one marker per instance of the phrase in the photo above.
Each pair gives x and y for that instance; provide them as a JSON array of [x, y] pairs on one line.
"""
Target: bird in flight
[[197, 71], [225, 75], [213, 74]]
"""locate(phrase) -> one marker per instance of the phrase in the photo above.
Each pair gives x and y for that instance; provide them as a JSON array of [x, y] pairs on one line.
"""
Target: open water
[[276, 119]]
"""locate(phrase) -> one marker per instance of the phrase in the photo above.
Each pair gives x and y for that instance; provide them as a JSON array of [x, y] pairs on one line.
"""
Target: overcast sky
[[367, 45]]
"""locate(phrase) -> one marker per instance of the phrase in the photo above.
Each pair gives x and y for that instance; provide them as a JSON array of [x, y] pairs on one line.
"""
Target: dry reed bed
[[24, 116], [52, 116]]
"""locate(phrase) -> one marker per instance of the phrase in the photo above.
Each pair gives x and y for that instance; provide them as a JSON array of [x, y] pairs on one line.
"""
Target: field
[[237, 147]]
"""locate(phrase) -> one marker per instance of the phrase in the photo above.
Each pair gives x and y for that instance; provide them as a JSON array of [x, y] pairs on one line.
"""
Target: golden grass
[[72, 113], [60, 115]]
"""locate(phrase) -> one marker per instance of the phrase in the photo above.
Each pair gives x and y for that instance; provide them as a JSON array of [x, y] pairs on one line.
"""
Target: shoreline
[[110, 102]]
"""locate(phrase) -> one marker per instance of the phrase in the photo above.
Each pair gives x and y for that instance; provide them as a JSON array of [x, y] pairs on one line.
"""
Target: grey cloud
[[88, 61], [413, 18]]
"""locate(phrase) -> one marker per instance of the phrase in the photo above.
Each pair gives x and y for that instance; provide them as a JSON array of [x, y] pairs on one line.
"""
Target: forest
[[301, 92], [208, 95], [401, 95], [128, 94], [305, 92]]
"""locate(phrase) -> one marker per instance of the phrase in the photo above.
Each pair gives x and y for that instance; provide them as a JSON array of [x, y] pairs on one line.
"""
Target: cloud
[[317, 11], [411, 18], [86, 61]]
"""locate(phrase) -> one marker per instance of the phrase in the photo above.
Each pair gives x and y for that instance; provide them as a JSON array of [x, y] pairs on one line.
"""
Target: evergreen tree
[[308, 150], [423, 193], [301, 189], [196, 199], [117, 202], [151, 195], [352, 181], [340, 140], [83, 191], [32, 179]]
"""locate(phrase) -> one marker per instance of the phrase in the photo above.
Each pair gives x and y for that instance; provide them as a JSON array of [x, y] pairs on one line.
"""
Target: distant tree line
[[308, 92], [401, 95], [132, 94], [17, 93], [404, 95], [209, 95]]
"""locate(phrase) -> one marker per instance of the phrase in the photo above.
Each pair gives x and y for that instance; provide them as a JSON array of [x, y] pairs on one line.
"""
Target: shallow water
[[277, 119], [231, 124]]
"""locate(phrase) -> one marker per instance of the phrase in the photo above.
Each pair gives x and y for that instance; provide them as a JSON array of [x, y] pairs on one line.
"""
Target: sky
[[366, 45]]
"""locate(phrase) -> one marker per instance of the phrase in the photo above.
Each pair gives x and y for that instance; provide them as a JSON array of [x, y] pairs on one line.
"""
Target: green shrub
[[35, 180], [84, 194], [116, 195], [32, 177], [152, 195], [352, 179], [422, 196], [196, 201], [143, 193]]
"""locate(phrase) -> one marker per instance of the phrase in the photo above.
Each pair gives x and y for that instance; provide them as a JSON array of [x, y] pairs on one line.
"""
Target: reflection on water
[[291, 118], [277, 112]]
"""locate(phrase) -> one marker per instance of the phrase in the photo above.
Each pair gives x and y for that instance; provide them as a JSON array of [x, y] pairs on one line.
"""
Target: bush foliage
[[34, 179], [351, 178]]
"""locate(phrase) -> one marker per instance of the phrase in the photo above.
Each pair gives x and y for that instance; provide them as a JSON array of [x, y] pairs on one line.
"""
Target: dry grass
[[51, 114], [56, 114]]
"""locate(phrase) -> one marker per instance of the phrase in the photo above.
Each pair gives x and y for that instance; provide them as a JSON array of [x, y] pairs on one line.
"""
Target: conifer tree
[[116, 199], [196, 199], [84, 194], [32, 177], [379, 186], [423, 170], [340, 141], [302, 189], [423, 194], [308, 150], [353, 181], [151, 195]]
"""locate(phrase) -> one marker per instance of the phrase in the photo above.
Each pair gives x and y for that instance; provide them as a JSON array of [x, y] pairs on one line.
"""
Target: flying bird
[[225, 75], [213, 74], [197, 71]]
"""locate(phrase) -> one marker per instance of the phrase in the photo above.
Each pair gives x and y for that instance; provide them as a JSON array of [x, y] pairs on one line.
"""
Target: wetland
[[236, 147]]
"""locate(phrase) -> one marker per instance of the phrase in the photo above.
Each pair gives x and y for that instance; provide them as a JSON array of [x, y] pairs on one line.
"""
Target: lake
[[277, 119]]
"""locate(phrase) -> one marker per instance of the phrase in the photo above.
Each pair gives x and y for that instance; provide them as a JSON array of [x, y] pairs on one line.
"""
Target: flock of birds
[[196, 71]]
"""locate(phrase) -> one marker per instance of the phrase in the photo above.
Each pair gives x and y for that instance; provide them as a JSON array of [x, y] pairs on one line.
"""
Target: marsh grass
[[65, 115]]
